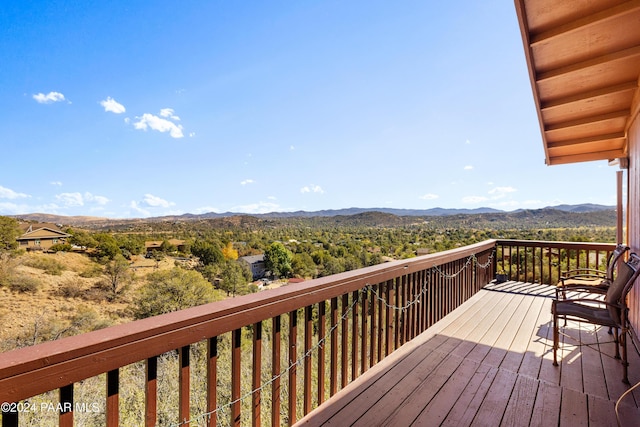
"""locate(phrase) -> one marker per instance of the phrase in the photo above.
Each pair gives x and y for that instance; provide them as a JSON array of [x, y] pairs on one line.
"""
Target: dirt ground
[[19, 310]]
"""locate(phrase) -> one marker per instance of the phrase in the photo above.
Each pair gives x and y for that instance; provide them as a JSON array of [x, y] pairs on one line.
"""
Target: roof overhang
[[584, 63]]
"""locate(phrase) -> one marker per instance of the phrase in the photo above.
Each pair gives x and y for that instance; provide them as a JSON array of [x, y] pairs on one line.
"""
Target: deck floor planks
[[546, 408], [403, 413], [440, 406], [519, 410], [458, 389], [569, 357], [523, 356], [465, 408], [495, 402], [395, 395], [593, 378], [573, 409], [508, 351]]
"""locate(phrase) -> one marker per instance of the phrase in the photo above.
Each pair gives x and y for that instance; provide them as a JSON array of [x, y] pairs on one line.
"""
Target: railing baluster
[[308, 335], [184, 385], [333, 368], [344, 348], [380, 323], [293, 355], [212, 381], [364, 348], [10, 416], [236, 359], [151, 392], [322, 332], [275, 371], [113, 386], [354, 336], [65, 418], [389, 323], [256, 377]]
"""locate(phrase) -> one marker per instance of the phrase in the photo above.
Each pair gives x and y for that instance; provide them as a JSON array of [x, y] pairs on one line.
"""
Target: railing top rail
[[29, 371], [557, 245]]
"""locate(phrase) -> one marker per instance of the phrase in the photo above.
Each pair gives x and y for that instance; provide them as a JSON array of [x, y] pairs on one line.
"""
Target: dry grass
[[60, 297]]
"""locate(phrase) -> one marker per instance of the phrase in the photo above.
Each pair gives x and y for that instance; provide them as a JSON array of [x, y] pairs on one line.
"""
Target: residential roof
[[584, 62], [252, 259]]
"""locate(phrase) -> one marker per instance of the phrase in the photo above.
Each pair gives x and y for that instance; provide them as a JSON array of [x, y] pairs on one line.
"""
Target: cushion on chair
[[616, 290]]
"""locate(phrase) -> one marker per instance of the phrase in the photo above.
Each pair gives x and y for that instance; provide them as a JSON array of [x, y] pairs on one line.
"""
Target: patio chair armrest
[[583, 273]]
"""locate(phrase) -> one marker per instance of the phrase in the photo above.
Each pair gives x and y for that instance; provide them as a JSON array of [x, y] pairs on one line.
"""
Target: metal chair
[[612, 312], [591, 280]]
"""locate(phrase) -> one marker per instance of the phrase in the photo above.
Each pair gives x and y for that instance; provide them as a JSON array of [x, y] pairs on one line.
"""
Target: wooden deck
[[489, 363]]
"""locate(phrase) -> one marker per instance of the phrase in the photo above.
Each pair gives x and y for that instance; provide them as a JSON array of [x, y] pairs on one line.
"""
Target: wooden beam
[[596, 18], [620, 55], [587, 140], [588, 120], [586, 157], [589, 95]]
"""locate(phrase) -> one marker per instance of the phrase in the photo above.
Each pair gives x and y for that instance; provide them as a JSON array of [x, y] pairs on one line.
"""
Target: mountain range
[[434, 212]]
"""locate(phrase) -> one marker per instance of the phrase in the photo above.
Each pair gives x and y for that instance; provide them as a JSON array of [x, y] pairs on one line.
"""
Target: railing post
[[256, 379], [275, 371], [9, 414], [151, 392], [184, 385], [66, 405], [113, 415], [212, 381]]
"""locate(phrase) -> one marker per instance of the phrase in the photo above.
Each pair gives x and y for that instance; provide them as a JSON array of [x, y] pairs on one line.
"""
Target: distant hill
[[370, 216]]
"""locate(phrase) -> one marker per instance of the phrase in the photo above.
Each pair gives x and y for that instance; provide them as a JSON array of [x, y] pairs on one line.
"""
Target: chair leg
[[616, 340], [625, 363], [555, 335]]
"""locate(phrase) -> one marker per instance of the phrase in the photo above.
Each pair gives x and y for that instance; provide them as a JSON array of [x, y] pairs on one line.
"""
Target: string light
[[321, 341]]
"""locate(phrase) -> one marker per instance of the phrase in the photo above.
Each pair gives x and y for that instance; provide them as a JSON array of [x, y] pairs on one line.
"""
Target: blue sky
[[147, 108]]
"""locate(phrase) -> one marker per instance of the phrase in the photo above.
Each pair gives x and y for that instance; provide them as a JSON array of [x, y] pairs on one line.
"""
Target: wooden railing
[[544, 262], [243, 360]]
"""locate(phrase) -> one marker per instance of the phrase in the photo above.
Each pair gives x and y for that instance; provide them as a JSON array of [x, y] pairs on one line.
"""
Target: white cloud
[[168, 113], [257, 208], [206, 209], [112, 106], [312, 189], [500, 192], [192, 134], [49, 98], [159, 124], [79, 199], [56, 183], [468, 167], [247, 181], [134, 205], [429, 196], [6, 193], [154, 201], [474, 199]]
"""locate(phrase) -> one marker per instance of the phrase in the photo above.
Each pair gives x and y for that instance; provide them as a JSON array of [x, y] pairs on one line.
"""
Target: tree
[[118, 274], [206, 252], [9, 232], [234, 278], [229, 252], [107, 246], [278, 259], [172, 290]]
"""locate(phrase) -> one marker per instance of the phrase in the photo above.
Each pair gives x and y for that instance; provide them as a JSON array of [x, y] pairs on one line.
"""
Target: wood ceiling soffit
[[588, 120], [627, 88], [586, 157], [587, 21], [610, 58], [589, 139]]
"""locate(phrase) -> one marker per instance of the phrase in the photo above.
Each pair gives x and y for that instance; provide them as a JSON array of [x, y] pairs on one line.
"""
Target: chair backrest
[[615, 255], [621, 286]]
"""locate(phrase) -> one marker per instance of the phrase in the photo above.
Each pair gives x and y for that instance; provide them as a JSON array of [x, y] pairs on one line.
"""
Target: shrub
[[70, 289], [60, 247], [94, 270], [49, 265], [22, 283], [172, 290]]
